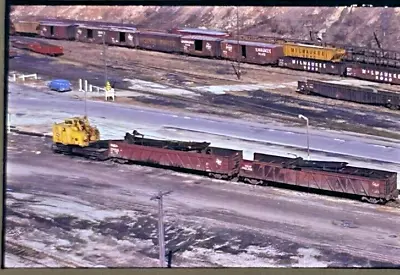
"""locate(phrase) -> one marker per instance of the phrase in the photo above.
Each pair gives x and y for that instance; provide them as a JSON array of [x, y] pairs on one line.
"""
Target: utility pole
[[161, 240], [238, 45], [105, 58]]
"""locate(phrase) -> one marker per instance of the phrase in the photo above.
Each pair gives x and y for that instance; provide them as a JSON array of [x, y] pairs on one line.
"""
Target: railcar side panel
[[202, 46], [323, 67], [219, 161], [162, 42]]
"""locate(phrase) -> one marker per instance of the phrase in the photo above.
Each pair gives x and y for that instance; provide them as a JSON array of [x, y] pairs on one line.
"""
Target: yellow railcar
[[314, 52], [75, 131], [27, 27]]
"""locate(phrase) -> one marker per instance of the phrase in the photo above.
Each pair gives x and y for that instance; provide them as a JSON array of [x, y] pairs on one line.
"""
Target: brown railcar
[[371, 185], [316, 66], [158, 41], [58, 30], [217, 162], [374, 73], [251, 52], [203, 46]]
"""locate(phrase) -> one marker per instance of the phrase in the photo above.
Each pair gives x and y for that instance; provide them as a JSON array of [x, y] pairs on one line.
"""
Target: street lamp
[[161, 241], [308, 140]]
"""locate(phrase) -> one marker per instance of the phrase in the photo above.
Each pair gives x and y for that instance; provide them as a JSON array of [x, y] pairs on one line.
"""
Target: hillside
[[336, 24]]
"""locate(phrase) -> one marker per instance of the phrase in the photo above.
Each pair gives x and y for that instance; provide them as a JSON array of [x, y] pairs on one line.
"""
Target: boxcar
[[374, 73], [251, 52], [314, 52], [323, 67], [158, 41], [27, 28], [58, 30], [200, 32], [219, 162], [372, 185], [204, 46], [119, 36], [90, 34]]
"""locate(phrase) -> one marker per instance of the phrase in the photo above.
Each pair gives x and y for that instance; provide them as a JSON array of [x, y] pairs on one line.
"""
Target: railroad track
[[31, 255], [390, 205]]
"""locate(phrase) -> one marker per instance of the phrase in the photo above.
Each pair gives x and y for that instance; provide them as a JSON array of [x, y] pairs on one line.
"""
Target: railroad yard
[[70, 211]]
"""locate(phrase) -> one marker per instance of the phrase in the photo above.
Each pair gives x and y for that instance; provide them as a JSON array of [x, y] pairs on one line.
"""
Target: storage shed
[[204, 46], [58, 30], [251, 52]]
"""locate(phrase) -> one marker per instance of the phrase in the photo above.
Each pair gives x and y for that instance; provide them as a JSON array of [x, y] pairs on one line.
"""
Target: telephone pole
[[239, 49], [161, 239], [105, 58]]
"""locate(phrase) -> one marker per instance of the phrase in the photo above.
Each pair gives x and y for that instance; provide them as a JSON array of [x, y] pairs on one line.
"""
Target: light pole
[[161, 240], [308, 139]]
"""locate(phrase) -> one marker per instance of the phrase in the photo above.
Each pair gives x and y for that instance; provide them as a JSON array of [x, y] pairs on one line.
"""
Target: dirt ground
[[277, 100], [100, 214]]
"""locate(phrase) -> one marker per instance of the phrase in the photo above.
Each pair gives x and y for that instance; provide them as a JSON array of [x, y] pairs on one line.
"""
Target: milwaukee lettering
[[263, 50]]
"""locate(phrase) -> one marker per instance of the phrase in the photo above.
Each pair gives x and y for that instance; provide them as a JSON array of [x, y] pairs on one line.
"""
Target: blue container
[[60, 85]]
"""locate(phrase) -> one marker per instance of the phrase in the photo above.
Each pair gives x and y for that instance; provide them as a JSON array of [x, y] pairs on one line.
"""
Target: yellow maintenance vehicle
[[76, 136]]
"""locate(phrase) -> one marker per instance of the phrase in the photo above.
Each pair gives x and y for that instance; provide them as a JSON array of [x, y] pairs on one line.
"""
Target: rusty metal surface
[[347, 180], [27, 27], [58, 30], [251, 52], [121, 37], [219, 161], [37, 46], [359, 94], [201, 45], [89, 35], [158, 41], [374, 73], [316, 66]]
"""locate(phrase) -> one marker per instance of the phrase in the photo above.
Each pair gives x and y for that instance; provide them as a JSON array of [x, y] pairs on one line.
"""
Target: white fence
[[14, 76], [84, 86]]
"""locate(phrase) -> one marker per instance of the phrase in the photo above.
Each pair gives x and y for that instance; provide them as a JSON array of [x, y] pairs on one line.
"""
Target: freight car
[[199, 157], [251, 52], [159, 41], [314, 52], [203, 46], [374, 73], [27, 28], [323, 67], [358, 94], [57, 30], [38, 47], [371, 185]]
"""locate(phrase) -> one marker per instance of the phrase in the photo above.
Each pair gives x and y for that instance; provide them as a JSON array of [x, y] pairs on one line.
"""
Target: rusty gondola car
[[216, 162], [38, 47], [358, 94], [371, 185]]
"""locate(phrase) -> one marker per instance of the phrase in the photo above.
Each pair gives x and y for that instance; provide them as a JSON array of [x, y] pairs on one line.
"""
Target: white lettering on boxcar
[[44, 29], [218, 161], [263, 50], [130, 37], [229, 47], [208, 46], [247, 167], [79, 31], [187, 42]]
